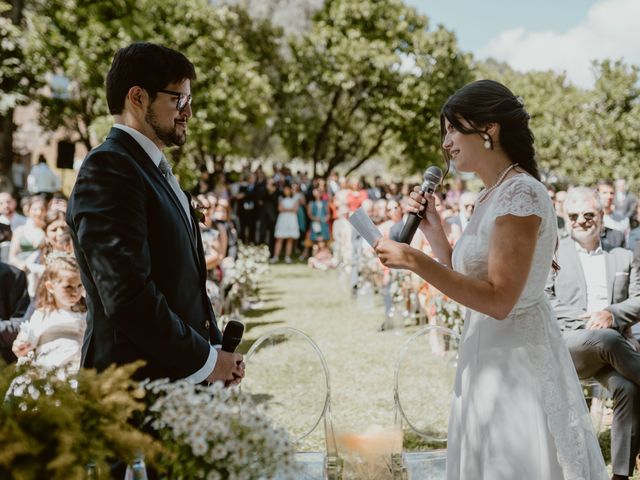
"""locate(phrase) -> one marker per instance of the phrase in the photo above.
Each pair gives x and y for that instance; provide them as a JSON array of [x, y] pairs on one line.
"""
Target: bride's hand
[[416, 203], [393, 254]]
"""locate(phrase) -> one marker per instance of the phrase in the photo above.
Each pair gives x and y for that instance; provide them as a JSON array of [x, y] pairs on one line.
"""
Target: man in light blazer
[[596, 298], [136, 239]]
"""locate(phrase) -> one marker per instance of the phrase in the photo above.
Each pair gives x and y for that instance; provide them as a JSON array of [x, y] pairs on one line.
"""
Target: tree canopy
[[368, 76], [581, 135], [354, 80]]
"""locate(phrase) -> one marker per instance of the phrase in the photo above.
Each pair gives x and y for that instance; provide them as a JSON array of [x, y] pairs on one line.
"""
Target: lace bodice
[[520, 195]]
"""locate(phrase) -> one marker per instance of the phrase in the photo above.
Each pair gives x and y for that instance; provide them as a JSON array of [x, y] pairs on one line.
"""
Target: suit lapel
[[610, 268], [139, 154], [572, 257]]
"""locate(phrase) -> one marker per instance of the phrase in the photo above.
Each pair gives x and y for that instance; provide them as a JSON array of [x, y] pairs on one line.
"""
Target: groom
[[136, 240]]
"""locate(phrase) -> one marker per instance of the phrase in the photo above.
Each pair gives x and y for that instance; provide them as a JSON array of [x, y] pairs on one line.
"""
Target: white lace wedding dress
[[518, 411]]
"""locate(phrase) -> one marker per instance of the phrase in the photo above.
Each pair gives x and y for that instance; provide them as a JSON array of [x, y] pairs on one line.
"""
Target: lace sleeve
[[521, 196]]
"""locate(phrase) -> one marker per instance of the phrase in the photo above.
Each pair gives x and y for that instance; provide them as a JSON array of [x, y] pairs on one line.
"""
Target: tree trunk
[[6, 142]]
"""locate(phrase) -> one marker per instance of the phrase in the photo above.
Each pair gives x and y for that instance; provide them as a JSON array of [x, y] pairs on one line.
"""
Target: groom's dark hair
[[146, 65]]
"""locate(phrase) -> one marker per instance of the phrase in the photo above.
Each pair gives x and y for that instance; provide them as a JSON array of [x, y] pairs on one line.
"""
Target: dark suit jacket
[[567, 289], [142, 265], [628, 206], [14, 300]]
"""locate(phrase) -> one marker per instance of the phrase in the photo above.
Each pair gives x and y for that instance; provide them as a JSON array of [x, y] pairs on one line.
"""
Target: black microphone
[[432, 178], [232, 336]]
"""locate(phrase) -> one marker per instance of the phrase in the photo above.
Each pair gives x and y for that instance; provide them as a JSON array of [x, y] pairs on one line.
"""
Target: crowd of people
[[307, 220]]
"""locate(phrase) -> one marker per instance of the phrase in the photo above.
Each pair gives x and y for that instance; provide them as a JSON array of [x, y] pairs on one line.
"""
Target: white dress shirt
[[595, 276], [156, 155]]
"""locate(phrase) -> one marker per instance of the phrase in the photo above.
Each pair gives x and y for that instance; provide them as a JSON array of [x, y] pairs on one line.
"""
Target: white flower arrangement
[[448, 312], [241, 280], [217, 433]]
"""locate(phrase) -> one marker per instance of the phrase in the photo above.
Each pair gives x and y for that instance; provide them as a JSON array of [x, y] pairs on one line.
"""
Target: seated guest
[[322, 259], [596, 298], [466, 205], [14, 301], [28, 238], [57, 239], [8, 214]]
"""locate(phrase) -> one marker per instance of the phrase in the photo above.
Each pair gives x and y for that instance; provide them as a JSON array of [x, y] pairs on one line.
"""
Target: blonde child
[[53, 335]]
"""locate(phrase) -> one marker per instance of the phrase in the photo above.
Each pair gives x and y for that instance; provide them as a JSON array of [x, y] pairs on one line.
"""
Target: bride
[[517, 410]]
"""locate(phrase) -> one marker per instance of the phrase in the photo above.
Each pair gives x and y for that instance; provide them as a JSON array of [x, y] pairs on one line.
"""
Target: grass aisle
[[361, 360]]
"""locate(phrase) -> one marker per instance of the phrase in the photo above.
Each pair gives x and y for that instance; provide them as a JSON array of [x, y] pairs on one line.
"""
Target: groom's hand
[[229, 369]]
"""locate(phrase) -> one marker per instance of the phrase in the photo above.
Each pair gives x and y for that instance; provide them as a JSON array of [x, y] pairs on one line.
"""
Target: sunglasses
[[183, 98], [588, 216]]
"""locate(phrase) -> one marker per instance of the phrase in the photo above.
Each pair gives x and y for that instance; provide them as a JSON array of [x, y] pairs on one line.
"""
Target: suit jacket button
[[207, 324]]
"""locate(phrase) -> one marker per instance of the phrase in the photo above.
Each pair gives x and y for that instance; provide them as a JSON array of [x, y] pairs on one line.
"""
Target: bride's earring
[[487, 141]]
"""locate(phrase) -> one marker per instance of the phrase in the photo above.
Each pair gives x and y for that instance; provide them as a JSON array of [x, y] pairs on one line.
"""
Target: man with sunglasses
[[596, 298], [135, 236]]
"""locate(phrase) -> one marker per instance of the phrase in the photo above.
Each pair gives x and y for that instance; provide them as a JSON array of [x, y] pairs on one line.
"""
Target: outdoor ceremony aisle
[[360, 358]]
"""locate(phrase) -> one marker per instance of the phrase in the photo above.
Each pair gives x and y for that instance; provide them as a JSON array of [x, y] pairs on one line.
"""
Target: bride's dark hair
[[486, 101]]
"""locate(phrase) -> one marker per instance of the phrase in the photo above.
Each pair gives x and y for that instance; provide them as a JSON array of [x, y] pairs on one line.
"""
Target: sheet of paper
[[365, 227]]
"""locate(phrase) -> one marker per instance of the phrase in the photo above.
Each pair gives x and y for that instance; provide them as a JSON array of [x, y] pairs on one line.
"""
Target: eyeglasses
[[183, 98], [588, 216]]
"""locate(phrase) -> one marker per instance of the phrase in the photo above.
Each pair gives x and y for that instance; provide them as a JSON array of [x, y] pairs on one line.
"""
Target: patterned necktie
[[165, 168]]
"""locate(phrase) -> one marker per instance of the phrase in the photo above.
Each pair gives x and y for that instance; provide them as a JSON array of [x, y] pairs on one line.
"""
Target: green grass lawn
[[361, 360]]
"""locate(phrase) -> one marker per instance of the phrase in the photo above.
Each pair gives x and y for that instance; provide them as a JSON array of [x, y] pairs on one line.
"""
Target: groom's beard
[[168, 135]]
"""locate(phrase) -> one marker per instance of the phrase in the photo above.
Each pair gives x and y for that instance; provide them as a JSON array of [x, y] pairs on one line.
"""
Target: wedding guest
[[8, 214], [501, 426], [28, 238], [57, 239], [318, 211], [43, 180], [248, 199], [342, 237], [52, 337], [612, 219], [287, 229], [625, 201], [634, 234], [465, 208], [14, 301], [58, 202], [322, 259], [269, 214], [222, 217], [596, 300], [454, 193], [303, 220]]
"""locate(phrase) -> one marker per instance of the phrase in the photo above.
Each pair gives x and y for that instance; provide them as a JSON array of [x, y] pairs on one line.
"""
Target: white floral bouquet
[[217, 433]]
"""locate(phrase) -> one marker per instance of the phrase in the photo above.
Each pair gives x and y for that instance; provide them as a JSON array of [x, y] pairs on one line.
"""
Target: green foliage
[[77, 39], [581, 135], [56, 427], [367, 76], [16, 77], [235, 57]]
